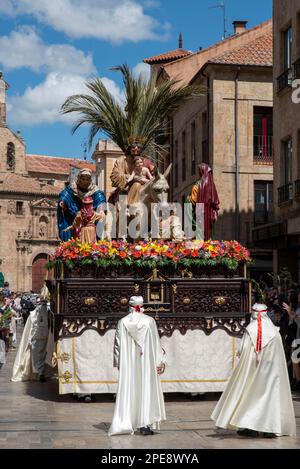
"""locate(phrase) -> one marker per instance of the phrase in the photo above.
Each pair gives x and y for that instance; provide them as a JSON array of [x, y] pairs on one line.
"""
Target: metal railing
[[263, 149], [297, 189], [284, 80], [296, 67], [262, 217], [285, 193]]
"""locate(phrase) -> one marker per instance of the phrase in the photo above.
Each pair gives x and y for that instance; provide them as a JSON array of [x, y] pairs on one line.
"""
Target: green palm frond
[[143, 114]]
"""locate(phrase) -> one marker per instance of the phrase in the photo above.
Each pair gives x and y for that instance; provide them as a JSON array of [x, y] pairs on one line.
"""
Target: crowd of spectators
[[284, 310], [14, 309]]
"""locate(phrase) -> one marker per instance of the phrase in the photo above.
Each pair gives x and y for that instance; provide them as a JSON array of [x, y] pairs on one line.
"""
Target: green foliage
[[5, 318], [115, 263], [70, 264], [143, 113], [260, 296]]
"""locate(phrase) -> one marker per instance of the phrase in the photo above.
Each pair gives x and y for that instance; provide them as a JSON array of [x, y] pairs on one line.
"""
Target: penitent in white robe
[[137, 353], [33, 349], [258, 395], [22, 369]]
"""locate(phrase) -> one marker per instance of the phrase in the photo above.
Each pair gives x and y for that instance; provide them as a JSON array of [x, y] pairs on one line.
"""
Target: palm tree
[[141, 117]]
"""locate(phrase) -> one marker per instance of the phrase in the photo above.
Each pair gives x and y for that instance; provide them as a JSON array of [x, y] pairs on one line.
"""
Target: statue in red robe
[[205, 192]]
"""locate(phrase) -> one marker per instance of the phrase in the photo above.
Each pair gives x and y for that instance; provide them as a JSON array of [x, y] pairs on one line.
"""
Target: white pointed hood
[[268, 330], [136, 322]]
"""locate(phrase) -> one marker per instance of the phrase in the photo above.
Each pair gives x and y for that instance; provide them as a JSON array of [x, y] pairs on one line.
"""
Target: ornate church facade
[[29, 188]]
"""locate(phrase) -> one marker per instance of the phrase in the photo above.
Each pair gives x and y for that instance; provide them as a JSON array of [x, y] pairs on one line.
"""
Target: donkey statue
[[142, 215]]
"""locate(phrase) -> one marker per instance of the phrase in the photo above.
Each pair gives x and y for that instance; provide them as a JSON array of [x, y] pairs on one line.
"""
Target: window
[[287, 162], [176, 175], [204, 125], [176, 164], [205, 155], [286, 78], [286, 192], [298, 35], [287, 43], [263, 196], [183, 160], [10, 156], [193, 148], [20, 208], [263, 134]]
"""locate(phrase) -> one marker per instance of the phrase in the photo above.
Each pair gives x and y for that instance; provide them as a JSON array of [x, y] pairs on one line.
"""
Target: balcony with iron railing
[[263, 149], [296, 67], [297, 189], [263, 216], [284, 80], [285, 194]]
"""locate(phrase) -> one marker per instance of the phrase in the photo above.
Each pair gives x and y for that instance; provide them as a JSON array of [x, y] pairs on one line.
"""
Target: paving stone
[[33, 415]]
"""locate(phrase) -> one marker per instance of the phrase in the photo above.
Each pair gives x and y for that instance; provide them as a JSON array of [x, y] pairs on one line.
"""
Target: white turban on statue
[[91, 189]]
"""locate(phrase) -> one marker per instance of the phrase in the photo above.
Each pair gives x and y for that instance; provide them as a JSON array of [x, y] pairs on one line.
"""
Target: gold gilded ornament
[[65, 357], [220, 301], [89, 301], [66, 376], [186, 301]]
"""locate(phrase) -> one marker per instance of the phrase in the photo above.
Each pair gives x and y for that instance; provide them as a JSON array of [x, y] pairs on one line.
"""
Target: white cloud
[[113, 20], [24, 48], [41, 104], [142, 69], [151, 3]]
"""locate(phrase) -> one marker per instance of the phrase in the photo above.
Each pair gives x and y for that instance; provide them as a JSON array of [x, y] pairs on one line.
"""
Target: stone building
[[29, 187], [283, 236], [230, 128], [105, 154]]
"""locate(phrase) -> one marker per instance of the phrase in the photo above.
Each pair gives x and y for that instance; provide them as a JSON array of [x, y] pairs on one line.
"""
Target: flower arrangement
[[150, 254]]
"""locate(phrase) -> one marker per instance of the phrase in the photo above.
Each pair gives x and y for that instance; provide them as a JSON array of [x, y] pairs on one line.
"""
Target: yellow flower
[[84, 247]]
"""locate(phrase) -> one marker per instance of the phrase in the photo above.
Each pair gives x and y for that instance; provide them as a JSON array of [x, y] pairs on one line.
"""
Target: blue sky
[[49, 49]]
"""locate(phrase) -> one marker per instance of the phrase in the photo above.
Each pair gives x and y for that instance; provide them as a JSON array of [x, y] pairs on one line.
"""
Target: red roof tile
[[55, 165], [168, 56], [258, 52], [21, 184]]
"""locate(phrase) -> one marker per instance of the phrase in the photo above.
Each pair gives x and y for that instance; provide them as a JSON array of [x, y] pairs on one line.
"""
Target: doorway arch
[[39, 272]]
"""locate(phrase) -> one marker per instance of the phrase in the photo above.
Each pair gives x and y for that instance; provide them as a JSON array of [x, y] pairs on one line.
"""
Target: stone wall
[[286, 113], [7, 136], [254, 89]]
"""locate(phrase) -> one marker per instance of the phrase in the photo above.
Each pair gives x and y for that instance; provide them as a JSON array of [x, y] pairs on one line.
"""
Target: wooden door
[[39, 272]]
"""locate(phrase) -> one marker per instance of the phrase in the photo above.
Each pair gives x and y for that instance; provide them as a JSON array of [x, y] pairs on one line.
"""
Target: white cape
[[22, 369], [2, 352], [258, 396], [139, 401], [35, 347]]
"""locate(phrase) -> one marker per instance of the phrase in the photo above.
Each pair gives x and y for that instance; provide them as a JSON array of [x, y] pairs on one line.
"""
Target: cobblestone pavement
[[34, 415]]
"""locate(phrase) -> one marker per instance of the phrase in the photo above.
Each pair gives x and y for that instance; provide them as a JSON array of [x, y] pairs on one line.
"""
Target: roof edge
[[260, 25]]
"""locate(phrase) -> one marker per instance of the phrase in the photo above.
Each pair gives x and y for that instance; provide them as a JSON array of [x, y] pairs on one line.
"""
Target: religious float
[[198, 292]]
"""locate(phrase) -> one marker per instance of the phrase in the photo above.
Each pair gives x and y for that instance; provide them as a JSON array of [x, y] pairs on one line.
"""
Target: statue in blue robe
[[70, 201]]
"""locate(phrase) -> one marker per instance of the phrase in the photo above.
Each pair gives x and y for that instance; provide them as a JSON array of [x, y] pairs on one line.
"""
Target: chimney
[[180, 41], [240, 26]]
